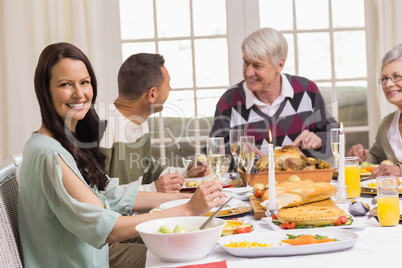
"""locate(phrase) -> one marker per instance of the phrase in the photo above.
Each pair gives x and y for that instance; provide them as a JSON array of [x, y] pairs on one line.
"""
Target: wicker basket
[[317, 175]]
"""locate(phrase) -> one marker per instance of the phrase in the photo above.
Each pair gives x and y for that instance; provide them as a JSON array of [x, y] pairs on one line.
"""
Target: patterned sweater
[[306, 110]]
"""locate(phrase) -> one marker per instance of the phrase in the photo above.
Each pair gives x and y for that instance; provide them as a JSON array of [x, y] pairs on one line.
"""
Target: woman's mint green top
[[56, 230]]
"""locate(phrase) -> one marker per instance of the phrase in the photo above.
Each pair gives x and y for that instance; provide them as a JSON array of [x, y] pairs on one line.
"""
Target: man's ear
[[152, 94], [280, 65]]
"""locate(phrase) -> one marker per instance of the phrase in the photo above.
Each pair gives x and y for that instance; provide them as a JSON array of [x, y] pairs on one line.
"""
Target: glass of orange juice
[[387, 201], [352, 176]]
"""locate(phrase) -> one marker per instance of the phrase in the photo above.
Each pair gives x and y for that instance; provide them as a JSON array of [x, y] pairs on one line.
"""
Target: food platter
[[373, 190], [235, 207], [374, 212], [347, 239]]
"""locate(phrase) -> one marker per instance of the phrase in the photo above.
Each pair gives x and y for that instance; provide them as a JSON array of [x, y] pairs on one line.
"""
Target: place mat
[[374, 212], [231, 212], [367, 190], [220, 264]]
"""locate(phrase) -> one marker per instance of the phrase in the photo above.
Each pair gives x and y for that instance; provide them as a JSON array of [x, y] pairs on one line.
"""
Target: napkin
[[220, 264]]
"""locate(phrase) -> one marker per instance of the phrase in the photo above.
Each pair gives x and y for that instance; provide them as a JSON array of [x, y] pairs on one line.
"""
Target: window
[[201, 45], [193, 39], [327, 44]]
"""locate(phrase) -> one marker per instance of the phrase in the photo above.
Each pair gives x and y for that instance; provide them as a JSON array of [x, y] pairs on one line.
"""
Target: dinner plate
[[243, 208], [234, 203], [374, 212], [241, 193], [347, 239], [275, 227], [226, 183], [373, 190]]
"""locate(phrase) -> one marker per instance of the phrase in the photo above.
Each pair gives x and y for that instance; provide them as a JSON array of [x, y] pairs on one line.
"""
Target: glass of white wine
[[235, 135], [215, 155], [335, 145], [247, 154]]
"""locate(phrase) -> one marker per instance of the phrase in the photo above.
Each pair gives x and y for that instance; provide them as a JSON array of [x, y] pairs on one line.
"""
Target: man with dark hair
[[143, 83]]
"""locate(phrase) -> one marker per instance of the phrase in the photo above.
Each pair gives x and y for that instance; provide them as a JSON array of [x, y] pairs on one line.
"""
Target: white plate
[[241, 193], [234, 203], [354, 224], [200, 180], [347, 239], [365, 183]]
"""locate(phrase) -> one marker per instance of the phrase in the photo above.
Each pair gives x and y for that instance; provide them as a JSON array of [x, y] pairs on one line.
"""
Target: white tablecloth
[[376, 247]]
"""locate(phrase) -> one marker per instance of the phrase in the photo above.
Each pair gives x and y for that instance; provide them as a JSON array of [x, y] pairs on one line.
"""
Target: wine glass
[[335, 145], [215, 155], [225, 165], [235, 135], [247, 154]]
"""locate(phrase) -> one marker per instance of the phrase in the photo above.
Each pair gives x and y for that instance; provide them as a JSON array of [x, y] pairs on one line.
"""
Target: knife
[[169, 132]]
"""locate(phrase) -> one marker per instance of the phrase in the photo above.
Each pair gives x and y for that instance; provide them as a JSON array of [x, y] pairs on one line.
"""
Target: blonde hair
[[263, 43]]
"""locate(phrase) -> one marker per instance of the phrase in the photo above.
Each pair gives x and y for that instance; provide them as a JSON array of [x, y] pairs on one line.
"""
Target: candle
[[271, 174], [341, 166]]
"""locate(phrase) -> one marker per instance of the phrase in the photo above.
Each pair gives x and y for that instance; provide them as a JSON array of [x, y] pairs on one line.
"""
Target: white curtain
[[390, 34], [26, 28]]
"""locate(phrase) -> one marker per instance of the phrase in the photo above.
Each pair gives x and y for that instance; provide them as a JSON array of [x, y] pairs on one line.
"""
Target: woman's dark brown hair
[[84, 143]]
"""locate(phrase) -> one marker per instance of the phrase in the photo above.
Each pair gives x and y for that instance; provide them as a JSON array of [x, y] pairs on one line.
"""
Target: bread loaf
[[291, 194]]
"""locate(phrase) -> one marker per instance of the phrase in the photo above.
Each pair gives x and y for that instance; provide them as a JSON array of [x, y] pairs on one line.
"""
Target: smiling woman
[[63, 188], [388, 145], [71, 90]]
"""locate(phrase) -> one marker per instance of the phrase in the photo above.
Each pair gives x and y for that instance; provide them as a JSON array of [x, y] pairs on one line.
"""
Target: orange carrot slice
[[301, 240], [325, 240], [370, 168]]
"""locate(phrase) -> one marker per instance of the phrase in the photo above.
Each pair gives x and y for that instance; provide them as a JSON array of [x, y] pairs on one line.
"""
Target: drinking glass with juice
[[388, 201], [352, 177]]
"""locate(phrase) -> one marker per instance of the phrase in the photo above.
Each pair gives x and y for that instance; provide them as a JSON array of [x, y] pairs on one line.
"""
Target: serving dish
[[181, 247], [347, 239], [317, 175]]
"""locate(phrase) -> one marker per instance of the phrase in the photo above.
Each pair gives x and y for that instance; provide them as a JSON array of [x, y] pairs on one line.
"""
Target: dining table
[[376, 246]]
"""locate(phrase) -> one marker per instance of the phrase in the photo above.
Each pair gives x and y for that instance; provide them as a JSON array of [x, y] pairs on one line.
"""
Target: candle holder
[[341, 196]]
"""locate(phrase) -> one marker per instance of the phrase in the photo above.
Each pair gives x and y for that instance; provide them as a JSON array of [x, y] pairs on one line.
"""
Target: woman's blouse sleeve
[[89, 222], [120, 197]]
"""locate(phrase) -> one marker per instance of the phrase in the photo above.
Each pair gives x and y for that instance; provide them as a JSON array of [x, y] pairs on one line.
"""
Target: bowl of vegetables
[[178, 239]]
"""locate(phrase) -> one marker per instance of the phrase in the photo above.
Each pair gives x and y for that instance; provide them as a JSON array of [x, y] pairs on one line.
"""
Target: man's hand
[[386, 170], [359, 151], [308, 140], [258, 152], [198, 170], [169, 183]]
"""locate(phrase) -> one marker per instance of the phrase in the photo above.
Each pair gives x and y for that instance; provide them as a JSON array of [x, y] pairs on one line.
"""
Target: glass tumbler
[[387, 201], [352, 177]]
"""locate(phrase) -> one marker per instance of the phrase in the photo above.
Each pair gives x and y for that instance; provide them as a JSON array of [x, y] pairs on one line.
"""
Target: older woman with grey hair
[[388, 143], [268, 99]]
